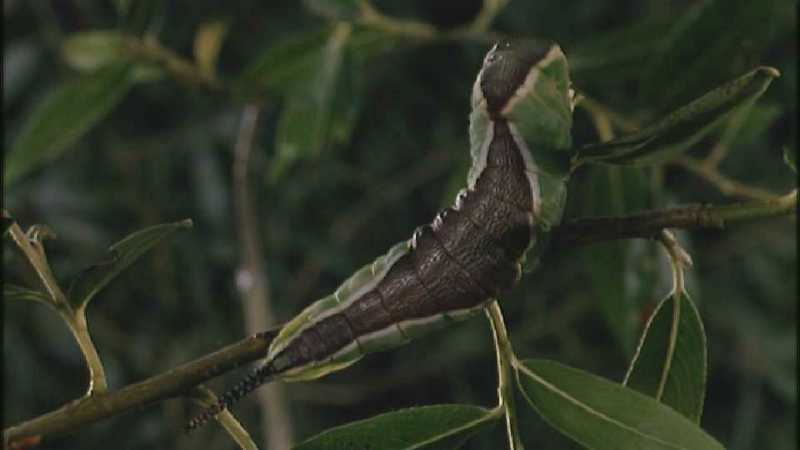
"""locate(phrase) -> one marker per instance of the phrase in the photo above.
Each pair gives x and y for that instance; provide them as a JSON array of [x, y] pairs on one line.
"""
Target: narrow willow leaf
[[336, 9], [305, 121], [604, 415], [91, 50], [65, 116], [790, 158], [683, 127], [670, 363], [122, 254], [437, 427], [15, 292]]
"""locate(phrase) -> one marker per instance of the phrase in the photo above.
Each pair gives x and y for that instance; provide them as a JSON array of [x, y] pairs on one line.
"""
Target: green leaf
[[601, 414], [304, 125], [790, 158], [336, 9], [91, 50], [15, 292], [670, 363], [64, 117], [429, 427], [683, 127], [122, 254]]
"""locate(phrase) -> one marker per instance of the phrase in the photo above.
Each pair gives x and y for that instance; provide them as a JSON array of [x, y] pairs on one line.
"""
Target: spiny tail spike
[[255, 379]]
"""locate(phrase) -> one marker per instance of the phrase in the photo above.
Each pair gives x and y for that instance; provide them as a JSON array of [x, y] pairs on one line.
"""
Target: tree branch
[[648, 224], [577, 232], [173, 383]]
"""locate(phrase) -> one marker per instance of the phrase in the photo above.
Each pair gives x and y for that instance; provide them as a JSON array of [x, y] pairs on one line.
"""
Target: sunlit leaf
[[15, 292], [207, 44], [604, 415], [437, 427], [92, 50], [670, 362], [65, 116], [122, 254], [683, 127]]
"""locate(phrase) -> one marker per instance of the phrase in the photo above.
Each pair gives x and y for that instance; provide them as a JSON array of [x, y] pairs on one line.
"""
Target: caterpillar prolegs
[[472, 252]]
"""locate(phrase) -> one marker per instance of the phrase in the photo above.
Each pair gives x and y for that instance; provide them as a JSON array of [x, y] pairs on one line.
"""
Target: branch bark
[[170, 384], [177, 381], [648, 224]]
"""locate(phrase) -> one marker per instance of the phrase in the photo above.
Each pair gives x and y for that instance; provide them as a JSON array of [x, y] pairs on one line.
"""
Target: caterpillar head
[[527, 83]]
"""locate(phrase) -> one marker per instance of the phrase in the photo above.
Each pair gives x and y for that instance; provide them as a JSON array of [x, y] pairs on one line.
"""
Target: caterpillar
[[472, 252]]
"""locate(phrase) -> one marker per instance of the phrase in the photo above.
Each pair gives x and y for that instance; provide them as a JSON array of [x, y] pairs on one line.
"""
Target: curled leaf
[[683, 127]]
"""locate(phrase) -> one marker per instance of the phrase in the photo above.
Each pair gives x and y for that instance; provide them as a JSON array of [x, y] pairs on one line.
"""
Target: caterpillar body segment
[[472, 252]]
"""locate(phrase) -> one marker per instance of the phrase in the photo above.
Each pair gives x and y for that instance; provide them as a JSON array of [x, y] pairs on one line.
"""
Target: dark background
[[166, 154]]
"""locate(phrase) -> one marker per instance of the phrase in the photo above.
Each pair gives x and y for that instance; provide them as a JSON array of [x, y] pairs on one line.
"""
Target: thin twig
[[149, 49], [727, 186], [252, 282]]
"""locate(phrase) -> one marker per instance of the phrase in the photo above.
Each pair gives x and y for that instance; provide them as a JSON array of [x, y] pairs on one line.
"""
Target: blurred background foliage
[[362, 136]]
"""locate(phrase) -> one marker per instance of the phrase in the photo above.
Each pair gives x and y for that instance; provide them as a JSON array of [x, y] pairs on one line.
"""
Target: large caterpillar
[[472, 252]]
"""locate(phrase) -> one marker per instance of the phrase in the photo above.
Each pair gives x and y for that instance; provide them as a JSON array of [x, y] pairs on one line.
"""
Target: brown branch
[[649, 224], [177, 381], [173, 383]]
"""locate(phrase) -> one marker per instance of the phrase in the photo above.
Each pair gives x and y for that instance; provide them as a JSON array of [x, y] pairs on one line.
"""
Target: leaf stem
[[505, 383], [205, 397], [679, 260], [98, 384]]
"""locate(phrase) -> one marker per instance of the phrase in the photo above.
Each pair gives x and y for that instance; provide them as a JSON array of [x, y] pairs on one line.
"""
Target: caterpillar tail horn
[[255, 379]]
